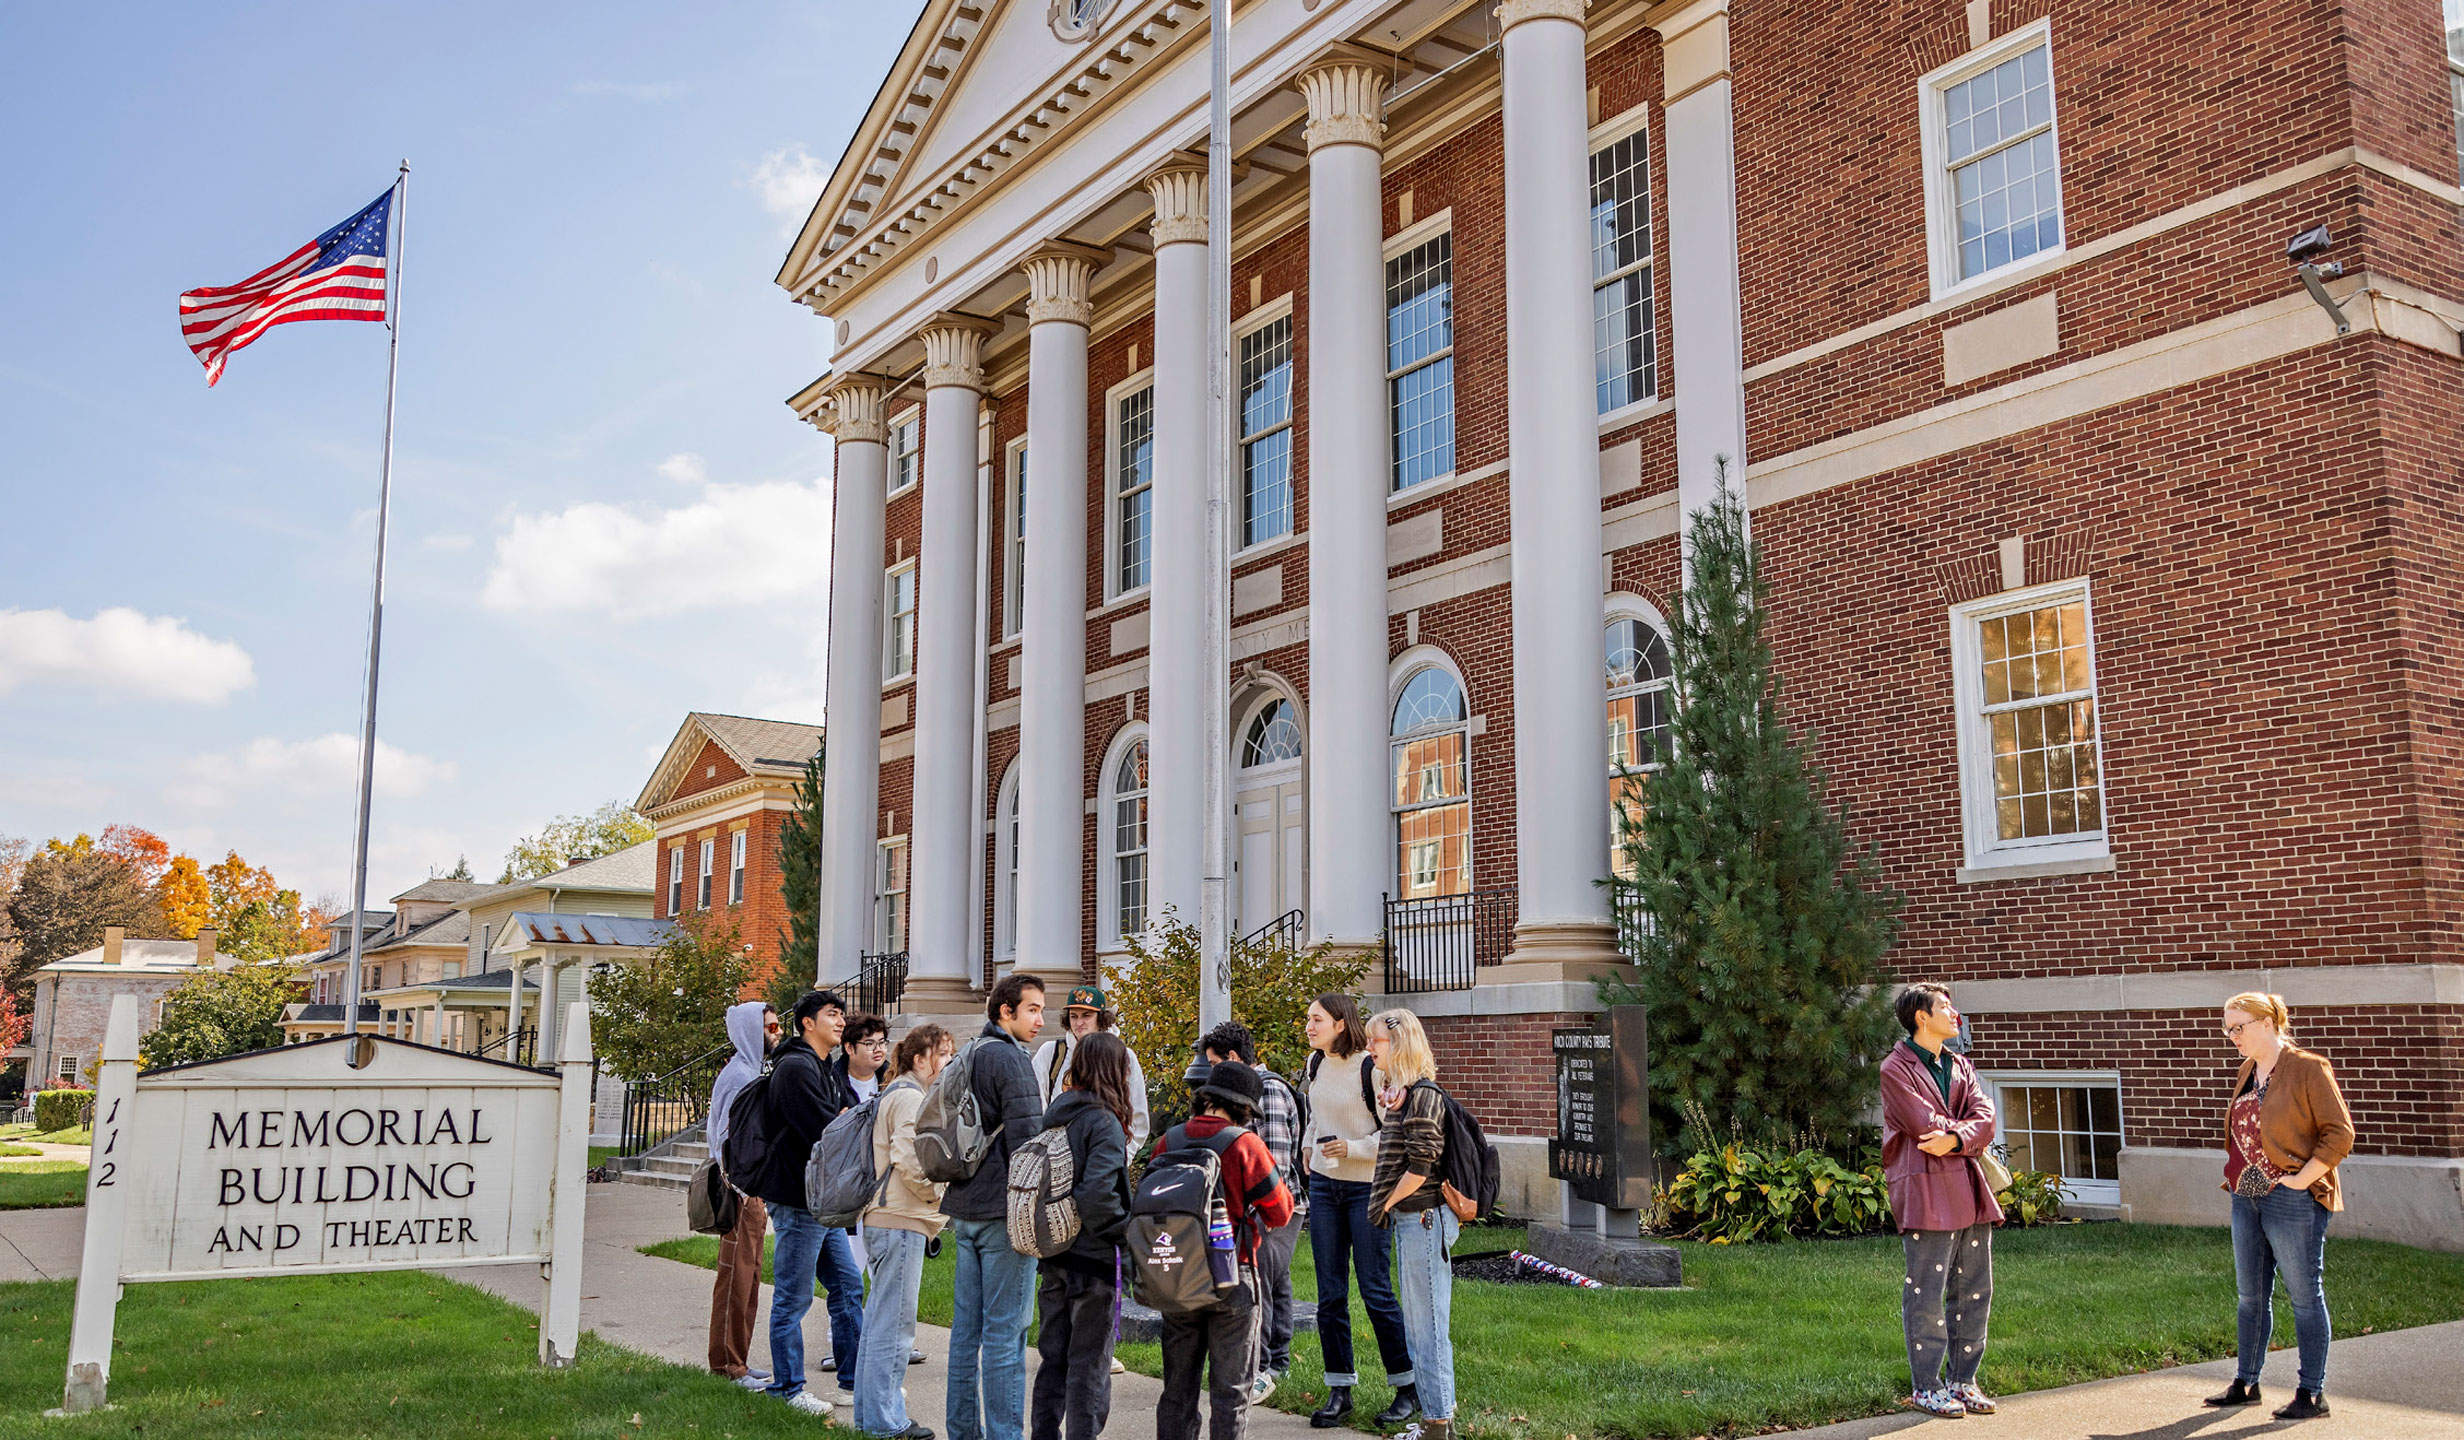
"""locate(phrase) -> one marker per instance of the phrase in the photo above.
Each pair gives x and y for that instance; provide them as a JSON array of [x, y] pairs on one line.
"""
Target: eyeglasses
[[2234, 1032]]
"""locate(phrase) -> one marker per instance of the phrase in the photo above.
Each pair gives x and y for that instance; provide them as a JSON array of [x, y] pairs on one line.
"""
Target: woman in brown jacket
[[2286, 1130]]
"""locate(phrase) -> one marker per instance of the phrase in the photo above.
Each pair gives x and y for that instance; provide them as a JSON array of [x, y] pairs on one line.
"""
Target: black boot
[[1407, 1405], [2307, 1405], [2236, 1394], [1336, 1410]]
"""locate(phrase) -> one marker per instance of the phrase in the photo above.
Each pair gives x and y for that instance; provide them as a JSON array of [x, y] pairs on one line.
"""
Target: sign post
[[354, 1153], [1601, 1158]]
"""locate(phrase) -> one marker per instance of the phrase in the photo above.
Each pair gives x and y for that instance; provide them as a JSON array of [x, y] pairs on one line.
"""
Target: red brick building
[[2114, 557], [718, 799]]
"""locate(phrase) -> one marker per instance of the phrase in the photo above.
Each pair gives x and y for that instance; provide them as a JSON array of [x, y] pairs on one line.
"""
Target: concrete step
[[657, 1180], [696, 1152], [681, 1168]]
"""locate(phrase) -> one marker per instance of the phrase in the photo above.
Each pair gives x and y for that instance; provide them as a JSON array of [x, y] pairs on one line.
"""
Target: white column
[[1553, 458], [850, 798], [1052, 716], [1176, 610], [1351, 853], [550, 1015], [941, 963], [1705, 314]]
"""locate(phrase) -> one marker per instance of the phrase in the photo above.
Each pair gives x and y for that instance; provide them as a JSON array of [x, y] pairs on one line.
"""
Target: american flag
[[340, 275]]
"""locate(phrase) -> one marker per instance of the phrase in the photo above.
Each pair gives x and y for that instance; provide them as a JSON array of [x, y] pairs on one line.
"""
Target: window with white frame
[[890, 897], [1624, 363], [1641, 707], [2063, 1124], [1005, 868], [1128, 841], [1266, 431], [1133, 495], [898, 623], [1014, 554], [675, 879], [1273, 736], [1431, 763], [701, 900], [1420, 359], [2455, 77], [735, 868], [904, 469], [2030, 749], [1993, 178], [68, 1067]]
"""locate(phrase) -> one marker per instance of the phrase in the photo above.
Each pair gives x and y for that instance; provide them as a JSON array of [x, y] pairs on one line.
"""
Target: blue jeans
[[1342, 1239], [1424, 1284], [988, 1335], [2283, 1232], [808, 1251], [894, 1264]]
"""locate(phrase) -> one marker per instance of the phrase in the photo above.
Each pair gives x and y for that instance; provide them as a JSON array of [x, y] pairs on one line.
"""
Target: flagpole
[[376, 604], [1214, 907]]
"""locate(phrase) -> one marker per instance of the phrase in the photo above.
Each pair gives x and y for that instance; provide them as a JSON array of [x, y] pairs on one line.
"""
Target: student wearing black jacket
[[807, 1092], [994, 1284], [1073, 1389]]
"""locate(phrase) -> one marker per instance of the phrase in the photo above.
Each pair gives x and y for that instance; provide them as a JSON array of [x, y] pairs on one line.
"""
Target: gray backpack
[[840, 1183], [1043, 1213], [950, 1138]]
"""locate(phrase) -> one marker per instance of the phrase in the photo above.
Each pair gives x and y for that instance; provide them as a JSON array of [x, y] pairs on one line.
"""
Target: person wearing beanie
[[1218, 1347]]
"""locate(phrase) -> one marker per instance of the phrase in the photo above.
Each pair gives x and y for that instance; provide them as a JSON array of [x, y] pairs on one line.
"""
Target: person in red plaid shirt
[[1277, 1124]]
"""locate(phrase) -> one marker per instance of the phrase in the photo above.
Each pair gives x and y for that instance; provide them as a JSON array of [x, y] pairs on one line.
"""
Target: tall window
[[702, 894], [1621, 328], [1005, 868], [675, 880], [902, 444], [1274, 736], [1129, 842], [735, 868], [1994, 178], [1266, 432], [1431, 753], [1133, 479], [2455, 78], [1420, 359], [898, 623], [1639, 712], [890, 898], [2066, 1125], [2026, 668], [1014, 563]]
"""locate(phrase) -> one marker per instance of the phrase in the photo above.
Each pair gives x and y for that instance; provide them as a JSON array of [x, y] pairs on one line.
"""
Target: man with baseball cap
[[1086, 1012], [1220, 1346]]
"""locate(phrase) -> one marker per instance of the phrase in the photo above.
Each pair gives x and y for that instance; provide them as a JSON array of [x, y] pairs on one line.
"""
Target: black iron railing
[[521, 1047], [656, 1109], [881, 981], [1635, 923], [1443, 941], [1281, 933]]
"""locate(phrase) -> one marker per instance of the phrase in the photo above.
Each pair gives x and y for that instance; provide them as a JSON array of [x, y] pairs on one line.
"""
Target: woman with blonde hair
[[2286, 1131], [1406, 1194]]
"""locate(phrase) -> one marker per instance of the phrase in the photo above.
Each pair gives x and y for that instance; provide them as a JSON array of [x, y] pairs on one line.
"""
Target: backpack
[[1167, 1241], [746, 1151], [1043, 1210], [840, 1183], [1468, 1177], [711, 1205], [950, 1138]]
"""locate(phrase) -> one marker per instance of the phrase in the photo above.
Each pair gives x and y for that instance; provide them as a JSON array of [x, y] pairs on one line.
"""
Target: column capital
[[1058, 278], [1179, 188], [954, 350], [1511, 13], [1346, 88], [854, 409]]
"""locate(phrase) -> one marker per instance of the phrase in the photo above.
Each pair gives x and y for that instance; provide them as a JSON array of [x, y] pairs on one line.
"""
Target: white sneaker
[[1262, 1387], [805, 1402], [752, 1382]]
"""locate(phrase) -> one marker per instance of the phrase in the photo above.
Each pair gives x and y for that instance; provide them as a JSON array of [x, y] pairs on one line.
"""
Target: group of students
[[1021, 1159], [2287, 1129]]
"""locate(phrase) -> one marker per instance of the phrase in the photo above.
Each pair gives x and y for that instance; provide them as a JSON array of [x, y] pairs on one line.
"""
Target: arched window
[[1639, 714], [1129, 842], [1431, 760], [1005, 868], [1274, 736]]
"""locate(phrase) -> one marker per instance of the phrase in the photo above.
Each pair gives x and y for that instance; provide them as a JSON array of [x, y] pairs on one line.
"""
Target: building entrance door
[[1271, 828]]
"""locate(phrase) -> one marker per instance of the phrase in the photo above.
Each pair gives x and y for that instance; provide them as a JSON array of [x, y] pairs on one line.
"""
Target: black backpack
[[1470, 1170], [1166, 1244], [745, 1154]]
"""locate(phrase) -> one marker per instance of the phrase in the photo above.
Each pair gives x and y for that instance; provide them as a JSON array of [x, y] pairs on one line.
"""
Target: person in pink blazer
[[1935, 1121]]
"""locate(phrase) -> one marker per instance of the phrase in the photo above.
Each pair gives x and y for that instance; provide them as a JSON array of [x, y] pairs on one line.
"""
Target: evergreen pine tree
[[1762, 964], [800, 888]]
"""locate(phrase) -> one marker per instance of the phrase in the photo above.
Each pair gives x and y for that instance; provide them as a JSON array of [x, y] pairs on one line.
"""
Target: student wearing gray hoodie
[[735, 1297]]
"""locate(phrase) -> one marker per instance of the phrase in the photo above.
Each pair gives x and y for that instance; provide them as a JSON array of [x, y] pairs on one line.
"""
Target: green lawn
[[74, 1135], [396, 1355], [932, 1306], [1808, 1333], [13, 1151], [42, 1185]]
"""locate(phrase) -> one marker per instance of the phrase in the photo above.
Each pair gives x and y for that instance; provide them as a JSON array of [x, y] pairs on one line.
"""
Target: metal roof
[[612, 931]]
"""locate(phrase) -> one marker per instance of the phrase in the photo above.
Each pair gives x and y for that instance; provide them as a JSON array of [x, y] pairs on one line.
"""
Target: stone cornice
[[1059, 277], [1347, 99], [954, 350], [1179, 188]]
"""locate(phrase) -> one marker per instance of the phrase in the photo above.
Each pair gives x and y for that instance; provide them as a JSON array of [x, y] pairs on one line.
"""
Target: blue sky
[[603, 514]]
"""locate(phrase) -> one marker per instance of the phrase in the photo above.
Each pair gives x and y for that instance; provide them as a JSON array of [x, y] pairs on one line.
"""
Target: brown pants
[[736, 1295]]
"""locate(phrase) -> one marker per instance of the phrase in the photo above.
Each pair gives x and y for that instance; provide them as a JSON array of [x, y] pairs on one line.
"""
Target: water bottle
[[1221, 1256]]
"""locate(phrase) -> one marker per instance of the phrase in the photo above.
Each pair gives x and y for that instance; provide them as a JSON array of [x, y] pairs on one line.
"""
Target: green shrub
[[1156, 995], [2035, 1198], [61, 1109], [1739, 1193]]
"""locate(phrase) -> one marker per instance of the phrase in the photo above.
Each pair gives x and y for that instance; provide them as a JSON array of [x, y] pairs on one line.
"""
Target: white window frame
[[675, 879], [891, 862], [2085, 1192], [1941, 197], [1005, 868], [1014, 539], [66, 1069], [1986, 849], [1401, 243], [1107, 877], [1632, 124], [2452, 18], [701, 890], [736, 846], [903, 438], [897, 656], [1270, 313], [1624, 605], [1113, 398], [1405, 669]]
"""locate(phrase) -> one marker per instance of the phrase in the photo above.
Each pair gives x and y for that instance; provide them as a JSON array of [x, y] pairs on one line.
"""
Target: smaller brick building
[[719, 798], [72, 998]]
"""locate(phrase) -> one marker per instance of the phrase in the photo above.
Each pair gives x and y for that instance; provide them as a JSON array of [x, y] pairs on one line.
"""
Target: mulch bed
[[1498, 1268]]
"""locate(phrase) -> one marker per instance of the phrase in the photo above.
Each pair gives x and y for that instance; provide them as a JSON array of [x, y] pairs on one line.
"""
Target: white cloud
[[685, 469], [735, 545], [789, 180], [120, 652], [631, 90], [326, 765]]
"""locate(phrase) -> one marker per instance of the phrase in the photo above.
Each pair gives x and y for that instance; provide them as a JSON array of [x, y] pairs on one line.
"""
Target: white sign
[[294, 1160]]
